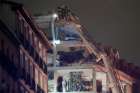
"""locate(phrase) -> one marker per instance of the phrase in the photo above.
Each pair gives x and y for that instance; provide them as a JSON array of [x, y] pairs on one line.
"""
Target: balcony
[[18, 73], [33, 53]]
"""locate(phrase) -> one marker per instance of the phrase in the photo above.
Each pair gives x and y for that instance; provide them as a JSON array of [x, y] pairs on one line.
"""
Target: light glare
[[55, 15]]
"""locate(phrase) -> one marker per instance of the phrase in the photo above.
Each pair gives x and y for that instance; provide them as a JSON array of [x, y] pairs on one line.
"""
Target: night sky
[[112, 22]]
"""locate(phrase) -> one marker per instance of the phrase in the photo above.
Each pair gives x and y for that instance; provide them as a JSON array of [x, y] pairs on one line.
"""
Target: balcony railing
[[20, 12], [33, 53], [18, 73]]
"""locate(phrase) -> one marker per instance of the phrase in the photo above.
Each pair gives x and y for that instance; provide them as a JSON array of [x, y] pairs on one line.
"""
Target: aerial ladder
[[115, 84]]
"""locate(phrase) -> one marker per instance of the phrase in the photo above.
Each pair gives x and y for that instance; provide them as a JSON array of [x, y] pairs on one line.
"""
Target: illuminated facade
[[27, 66], [75, 64]]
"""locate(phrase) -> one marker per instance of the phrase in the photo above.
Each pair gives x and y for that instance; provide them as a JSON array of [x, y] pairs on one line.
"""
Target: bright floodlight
[[55, 15], [56, 42]]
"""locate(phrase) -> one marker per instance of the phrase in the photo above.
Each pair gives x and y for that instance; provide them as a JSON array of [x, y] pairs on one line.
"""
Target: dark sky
[[112, 22]]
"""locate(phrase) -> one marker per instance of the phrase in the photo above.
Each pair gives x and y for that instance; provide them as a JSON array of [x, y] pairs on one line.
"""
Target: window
[[22, 26], [7, 52], [22, 89], [30, 36], [11, 85], [31, 69], [41, 81], [44, 55], [21, 59], [16, 87], [16, 59], [36, 76], [45, 84], [0, 73], [35, 41], [26, 64], [2, 45], [99, 86], [25, 29], [27, 32], [26, 91], [40, 49], [12, 57], [39, 78]]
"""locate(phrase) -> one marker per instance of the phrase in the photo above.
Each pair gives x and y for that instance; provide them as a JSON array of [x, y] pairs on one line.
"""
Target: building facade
[[23, 59], [23, 54], [71, 55]]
